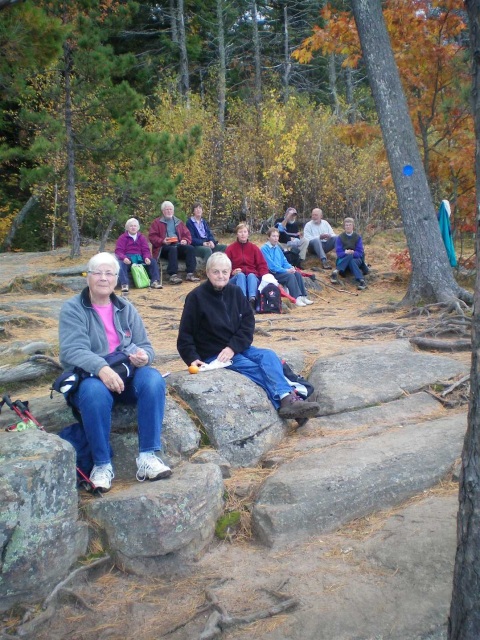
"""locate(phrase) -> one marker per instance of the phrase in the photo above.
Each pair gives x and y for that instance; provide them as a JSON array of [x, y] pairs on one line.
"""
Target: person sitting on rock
[[291, 236], [350, 255], [248, 263], [202, 238], [171, 239], [132, 247], [320, 236], [96, 323], [218, 323], [283, 271]]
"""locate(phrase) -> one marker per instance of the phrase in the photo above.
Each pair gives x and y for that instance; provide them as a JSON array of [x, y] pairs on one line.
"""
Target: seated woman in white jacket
[[283, 271]]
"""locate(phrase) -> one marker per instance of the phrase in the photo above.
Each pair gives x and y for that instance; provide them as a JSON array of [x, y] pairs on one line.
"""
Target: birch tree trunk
[[332, 81]]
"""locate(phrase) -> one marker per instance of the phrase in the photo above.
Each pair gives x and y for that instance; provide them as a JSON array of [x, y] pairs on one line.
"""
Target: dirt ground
[[244, 575]]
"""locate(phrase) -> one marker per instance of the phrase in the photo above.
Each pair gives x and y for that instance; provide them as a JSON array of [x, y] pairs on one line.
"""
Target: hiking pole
[[26, 421], [23, 407]]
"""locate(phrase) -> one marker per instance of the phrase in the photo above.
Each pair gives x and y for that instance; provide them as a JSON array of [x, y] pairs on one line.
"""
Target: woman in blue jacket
[[202, 237], [283, 271]]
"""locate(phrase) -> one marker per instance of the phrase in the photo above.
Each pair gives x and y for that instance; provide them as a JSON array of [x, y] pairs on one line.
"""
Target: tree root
[[72, 575], [62, 594], [220, 620], [456, 384], [452, 305], [441, 345], [40, 357]]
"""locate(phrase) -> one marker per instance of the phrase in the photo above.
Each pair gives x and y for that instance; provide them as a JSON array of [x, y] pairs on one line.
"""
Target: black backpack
[[302, 387], [269, 299]]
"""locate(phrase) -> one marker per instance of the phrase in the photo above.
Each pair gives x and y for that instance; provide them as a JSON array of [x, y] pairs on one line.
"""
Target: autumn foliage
[[429, 41]]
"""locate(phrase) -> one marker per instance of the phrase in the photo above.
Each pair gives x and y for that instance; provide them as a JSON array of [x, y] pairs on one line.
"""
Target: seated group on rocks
[[172, 239], [217, 323], [319, 239]]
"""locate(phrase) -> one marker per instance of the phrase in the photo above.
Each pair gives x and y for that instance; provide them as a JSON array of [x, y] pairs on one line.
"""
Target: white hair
[[131, 221], [216, 259], [103, 258], [167, 203]]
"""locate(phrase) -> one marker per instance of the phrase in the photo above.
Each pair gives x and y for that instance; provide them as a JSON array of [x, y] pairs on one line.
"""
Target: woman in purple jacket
[[132, 247]]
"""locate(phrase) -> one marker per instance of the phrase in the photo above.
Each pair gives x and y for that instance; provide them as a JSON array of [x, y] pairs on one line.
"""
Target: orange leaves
[[338, 36]]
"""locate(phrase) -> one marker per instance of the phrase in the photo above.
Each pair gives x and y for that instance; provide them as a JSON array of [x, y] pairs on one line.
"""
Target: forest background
[[109, 107]]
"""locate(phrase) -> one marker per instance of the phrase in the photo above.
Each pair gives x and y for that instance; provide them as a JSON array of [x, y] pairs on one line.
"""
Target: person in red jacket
[[132, 246], [248, 263], [171, 239]]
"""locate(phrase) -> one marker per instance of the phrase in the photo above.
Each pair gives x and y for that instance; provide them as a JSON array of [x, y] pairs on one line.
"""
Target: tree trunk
[[349, 96], [72, 214], [222, 66], [173, 21], [432, 277], [287, 64], [332, 82], [182, 41], [17, 221], [464, 621], [256, 54], [106, 235]]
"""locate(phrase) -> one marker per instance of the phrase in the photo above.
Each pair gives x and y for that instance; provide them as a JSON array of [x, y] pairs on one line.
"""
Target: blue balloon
[[408, 170]]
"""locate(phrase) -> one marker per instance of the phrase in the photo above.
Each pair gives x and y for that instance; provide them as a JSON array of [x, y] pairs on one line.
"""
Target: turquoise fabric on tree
[[444, 222]]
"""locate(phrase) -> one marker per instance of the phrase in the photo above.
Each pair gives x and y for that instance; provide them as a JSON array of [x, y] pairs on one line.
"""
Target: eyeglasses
[[217, 272], [107, 274]]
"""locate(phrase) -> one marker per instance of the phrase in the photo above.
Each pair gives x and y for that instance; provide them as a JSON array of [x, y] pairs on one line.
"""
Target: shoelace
[[146, 465]]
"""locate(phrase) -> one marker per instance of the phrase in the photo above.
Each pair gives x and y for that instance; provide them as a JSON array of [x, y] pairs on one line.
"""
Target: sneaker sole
[[301, 410], [96, 489], [163, 474]]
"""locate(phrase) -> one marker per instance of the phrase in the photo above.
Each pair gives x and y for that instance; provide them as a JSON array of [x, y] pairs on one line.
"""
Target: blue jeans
[[95, 403], [263, 367], [356, 265], [248, 284], [293, 282], [174, 251]]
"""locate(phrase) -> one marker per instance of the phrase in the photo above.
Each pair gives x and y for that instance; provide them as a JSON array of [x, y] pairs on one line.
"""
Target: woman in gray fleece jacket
[[94, 324]]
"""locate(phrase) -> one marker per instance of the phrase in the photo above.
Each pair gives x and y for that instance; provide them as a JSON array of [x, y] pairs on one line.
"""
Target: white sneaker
[[151, 468], [101, 477], [306, 300], [299, 302]]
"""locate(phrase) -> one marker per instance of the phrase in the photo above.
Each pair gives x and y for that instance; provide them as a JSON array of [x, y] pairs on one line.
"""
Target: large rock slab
[[153, 527], [40, 533], [239, 419], [322, 490], [378, 373], [411, 408], [403, 573]]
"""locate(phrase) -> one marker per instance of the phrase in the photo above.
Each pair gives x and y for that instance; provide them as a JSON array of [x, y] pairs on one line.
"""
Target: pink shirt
[[106, 314]]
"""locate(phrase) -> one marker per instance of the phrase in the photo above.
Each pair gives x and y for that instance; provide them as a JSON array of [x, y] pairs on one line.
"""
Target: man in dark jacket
[[218, 323]]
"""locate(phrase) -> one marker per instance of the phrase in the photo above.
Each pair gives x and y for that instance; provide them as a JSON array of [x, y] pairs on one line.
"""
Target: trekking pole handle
[[6, 400]]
